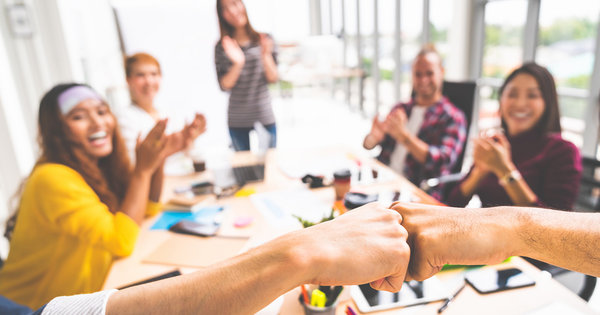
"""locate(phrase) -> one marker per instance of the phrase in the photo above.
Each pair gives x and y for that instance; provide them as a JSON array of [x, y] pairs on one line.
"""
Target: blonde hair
[[144, 58]]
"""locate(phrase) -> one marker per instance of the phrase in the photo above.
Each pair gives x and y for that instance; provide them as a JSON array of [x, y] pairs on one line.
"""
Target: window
[[566, 43], [503, 45], [566, 39], [440, 18], [412, 27], [502, 52]]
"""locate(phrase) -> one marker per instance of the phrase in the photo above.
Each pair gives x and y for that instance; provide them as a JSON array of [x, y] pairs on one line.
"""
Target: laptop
[[239, 176]]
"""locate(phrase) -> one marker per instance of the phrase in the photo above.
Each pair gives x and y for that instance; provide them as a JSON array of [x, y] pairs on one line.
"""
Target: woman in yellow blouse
[[82, 204]]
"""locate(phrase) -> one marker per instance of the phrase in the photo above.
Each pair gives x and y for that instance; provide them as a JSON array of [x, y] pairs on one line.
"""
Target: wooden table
[[132, 269]]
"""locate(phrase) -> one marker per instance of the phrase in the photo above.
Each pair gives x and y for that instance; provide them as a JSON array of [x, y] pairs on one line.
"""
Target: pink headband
[[70, 97]]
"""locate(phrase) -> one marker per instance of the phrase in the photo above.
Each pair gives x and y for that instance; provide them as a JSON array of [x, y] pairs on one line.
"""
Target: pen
[[350, 311], [305, 295], [450, 299]]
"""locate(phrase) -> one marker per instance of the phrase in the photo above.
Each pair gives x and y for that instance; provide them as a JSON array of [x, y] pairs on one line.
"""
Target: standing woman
[[530, 164], [82, 204], [246, 63]]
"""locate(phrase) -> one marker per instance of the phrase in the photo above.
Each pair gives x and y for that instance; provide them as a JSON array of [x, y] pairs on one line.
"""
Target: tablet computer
[[412, 293]]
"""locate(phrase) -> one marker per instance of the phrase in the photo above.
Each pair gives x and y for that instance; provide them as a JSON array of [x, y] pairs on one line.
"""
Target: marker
[[350, 311], [305, 295], [334, 295], [450, 299], [318, 298]]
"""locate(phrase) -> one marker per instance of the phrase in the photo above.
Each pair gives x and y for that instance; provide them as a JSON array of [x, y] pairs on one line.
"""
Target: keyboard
[[249, 173]]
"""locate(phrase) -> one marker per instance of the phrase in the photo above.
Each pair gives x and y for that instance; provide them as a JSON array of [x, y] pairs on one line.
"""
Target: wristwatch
[[510, 178]]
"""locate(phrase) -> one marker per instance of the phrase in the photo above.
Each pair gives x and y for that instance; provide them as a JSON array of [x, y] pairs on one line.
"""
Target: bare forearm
[[136, 198], [469, 185], [565, 239], [270, 68], [442, 235], [416, 147], [519, 192], [229, 80], [156, 184], [318, 255], [242, 285]]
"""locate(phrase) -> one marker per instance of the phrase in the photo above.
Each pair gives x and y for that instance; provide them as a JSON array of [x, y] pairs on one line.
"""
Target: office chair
[[462, 95], [588, 198]]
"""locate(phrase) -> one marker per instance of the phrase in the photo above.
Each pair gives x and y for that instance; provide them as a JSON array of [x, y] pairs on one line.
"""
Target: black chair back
[[462, 95], [588, 198]]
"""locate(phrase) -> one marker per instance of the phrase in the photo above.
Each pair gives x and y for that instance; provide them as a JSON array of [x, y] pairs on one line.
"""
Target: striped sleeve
[[91, 304], [222, 62]]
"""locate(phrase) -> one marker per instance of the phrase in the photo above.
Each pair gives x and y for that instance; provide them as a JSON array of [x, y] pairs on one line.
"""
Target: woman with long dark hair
[[529, 163], [82, 204], [246, 62]]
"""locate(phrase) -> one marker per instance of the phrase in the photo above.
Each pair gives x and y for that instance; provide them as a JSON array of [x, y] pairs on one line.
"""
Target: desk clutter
[[250, 214], [323, 300]]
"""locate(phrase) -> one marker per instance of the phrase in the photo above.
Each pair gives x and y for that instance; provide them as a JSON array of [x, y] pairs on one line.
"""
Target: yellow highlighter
[[318, 298]]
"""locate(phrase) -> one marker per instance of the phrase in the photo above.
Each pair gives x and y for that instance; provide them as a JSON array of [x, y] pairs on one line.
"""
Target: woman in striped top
[[246, 62]]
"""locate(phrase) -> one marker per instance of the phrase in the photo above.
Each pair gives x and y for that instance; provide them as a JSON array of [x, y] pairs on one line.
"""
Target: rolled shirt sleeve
[[91, 304], [443, 154]]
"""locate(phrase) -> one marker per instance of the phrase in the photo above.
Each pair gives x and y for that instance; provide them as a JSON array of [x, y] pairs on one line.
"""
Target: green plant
[[306, 223]]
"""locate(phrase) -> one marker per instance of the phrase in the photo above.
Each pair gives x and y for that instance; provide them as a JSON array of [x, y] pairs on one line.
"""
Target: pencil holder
[[314, 310]]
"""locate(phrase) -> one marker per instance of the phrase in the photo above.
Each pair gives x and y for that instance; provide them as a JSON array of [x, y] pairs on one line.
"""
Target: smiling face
[[521, 104], [144, 82], [427, 76], [92, 125], [234, 13]]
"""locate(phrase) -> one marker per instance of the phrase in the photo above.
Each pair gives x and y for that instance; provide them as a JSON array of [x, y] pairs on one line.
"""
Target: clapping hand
[[233, 50], [266, 44], [183, 139], [492, 154], [151, 152], [395, 125]]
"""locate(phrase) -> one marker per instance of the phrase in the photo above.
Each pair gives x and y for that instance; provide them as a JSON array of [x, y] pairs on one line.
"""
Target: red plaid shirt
[[444, 129]]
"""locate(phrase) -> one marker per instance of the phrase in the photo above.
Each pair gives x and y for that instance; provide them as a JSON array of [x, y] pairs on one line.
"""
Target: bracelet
[[510, 177]]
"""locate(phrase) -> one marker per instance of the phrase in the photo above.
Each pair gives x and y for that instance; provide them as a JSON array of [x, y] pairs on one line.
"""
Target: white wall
[[181, 34], [71, 41], [92, 42], [17, 157]]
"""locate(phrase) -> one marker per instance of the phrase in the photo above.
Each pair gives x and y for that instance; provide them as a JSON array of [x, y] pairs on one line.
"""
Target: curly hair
[[109, 177]]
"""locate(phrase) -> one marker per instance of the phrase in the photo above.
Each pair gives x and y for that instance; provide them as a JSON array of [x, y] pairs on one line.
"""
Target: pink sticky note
[[242, 221]]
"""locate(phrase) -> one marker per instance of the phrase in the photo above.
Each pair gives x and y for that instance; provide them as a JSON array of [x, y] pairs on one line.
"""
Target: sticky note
[[241, 222], [245, 192]]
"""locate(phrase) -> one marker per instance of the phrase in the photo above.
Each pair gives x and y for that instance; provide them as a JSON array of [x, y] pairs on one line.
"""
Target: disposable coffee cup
[[341, 183], [199, 161]]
